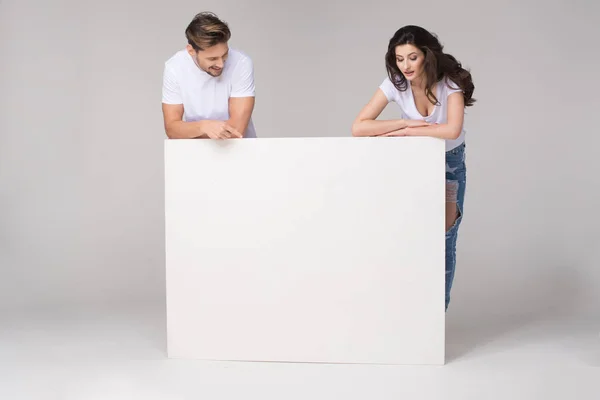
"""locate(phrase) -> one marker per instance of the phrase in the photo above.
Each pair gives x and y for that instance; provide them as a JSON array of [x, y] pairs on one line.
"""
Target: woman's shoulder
[[449, 86], [396, 85], [390, 90]]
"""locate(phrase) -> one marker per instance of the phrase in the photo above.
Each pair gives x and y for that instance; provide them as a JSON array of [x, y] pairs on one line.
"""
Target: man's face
[[212, 59]]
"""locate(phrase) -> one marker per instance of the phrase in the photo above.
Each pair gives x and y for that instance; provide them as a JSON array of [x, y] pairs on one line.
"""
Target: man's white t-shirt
[[204, 96], [406, 101]]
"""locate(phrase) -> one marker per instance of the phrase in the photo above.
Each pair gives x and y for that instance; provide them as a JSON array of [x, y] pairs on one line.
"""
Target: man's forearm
[[185, 130], [238, 125]]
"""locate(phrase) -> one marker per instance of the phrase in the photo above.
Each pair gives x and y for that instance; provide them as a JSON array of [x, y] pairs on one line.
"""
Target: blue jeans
[[456, 182]]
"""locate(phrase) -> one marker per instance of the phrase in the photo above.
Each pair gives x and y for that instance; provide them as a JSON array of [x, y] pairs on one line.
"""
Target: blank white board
[[306, 249]]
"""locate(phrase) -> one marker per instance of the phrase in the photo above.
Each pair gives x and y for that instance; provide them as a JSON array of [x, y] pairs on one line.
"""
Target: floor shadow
[[507, 307]]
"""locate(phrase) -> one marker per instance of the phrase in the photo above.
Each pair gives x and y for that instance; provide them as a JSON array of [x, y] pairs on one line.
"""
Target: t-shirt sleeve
[[242, 84], [171, 93], [388, 88], [452, 87]]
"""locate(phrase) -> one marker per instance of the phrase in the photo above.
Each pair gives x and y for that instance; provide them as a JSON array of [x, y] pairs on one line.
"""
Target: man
[[208, 88]]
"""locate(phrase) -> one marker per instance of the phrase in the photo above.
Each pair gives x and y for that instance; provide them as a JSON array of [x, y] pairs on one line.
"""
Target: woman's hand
[[414, 123], [399, 132]]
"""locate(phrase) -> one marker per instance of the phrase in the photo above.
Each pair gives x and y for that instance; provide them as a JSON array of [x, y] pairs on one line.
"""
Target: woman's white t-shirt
[[406, 101]]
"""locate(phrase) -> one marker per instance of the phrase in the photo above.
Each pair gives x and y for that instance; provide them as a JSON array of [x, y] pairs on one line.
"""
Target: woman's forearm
[[377, 127], [441, 131]]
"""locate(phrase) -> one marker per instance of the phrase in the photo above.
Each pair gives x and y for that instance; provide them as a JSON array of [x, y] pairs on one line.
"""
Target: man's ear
[[190, 50]]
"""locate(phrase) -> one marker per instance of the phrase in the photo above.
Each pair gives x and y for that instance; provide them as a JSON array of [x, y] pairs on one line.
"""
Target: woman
[[432, 90]]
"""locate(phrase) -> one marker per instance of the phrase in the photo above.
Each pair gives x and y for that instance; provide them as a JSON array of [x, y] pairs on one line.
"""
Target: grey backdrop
[[81, 146]]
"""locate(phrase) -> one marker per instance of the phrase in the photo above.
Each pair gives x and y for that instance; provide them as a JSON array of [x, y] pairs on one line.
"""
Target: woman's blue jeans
[[456, 181]]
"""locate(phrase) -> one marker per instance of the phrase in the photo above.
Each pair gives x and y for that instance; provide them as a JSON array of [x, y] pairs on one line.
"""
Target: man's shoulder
[[178, 59], [238, 54], [239, 58]]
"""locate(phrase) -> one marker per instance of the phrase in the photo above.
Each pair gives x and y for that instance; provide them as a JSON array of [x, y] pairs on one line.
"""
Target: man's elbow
[[356, 129], [171, 131]]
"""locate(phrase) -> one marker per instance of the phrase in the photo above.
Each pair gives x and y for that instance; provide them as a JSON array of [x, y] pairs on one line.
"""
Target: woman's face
[[410, 60]]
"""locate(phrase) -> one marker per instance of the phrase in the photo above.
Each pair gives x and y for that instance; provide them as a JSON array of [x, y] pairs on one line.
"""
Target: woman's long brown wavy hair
[[437, 65]]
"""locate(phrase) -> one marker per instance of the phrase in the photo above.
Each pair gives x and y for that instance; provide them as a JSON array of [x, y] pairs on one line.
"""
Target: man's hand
[[219, 130]]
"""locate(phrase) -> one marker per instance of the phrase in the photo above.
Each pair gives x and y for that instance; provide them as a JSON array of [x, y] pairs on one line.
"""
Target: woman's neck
[[419, 82]]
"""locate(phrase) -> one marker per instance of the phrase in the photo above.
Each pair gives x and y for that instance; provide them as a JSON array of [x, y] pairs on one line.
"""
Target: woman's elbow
[[455, 132]]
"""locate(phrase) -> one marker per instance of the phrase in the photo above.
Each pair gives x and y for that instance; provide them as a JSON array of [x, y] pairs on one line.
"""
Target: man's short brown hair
[[207, 30]]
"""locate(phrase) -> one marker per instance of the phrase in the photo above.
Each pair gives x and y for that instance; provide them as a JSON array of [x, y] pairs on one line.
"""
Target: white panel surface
[[306, 249]]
